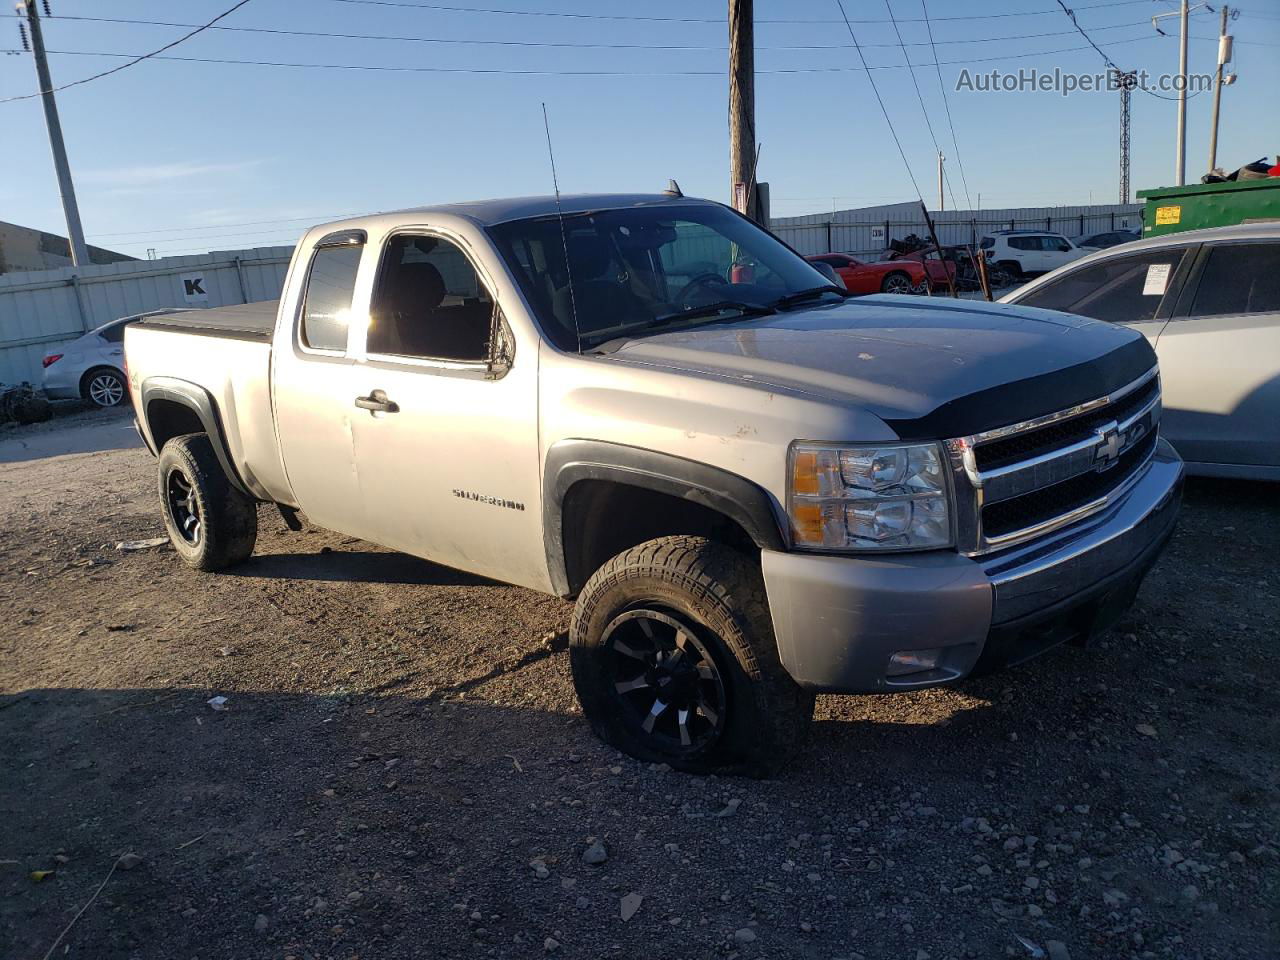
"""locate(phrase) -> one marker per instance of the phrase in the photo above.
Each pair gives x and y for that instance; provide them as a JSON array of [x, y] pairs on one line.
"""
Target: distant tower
[[1125, 82]]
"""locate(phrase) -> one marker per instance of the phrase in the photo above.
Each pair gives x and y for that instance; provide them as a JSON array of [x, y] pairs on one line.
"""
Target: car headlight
[[883, 497]]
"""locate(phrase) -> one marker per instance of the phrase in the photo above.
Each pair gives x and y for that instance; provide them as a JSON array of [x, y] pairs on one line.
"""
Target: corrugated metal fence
[[868, 233], [40, 309]]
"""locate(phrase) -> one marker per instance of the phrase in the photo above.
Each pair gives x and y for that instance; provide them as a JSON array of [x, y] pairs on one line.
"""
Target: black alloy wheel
[[666, 681], [183, 506]]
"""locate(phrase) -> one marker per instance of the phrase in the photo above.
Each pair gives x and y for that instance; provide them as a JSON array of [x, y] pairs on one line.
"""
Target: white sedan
[[91, 367], [1209, 302]]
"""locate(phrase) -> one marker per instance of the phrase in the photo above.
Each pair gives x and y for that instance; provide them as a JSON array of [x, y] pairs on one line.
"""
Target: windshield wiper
[[710, 310], [809, 294], [703, 312]]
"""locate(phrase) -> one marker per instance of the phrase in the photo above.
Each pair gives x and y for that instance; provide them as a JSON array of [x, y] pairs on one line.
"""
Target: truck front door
[[446, 418]]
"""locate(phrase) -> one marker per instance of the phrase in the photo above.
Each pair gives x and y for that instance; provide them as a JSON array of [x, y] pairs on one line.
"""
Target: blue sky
[[186, 157]]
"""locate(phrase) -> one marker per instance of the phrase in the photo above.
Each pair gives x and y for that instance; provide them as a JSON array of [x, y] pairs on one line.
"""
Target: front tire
[[674, 660], [211, 524]]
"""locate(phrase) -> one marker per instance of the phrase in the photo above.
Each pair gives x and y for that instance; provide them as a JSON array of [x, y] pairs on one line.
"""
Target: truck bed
[[247, 321], [224, 353]]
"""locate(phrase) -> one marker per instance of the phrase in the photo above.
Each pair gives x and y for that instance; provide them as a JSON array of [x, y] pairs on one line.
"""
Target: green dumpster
[[1174, 209]]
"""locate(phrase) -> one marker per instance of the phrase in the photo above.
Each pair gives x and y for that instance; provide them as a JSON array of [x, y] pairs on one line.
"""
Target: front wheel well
[[602, 518]]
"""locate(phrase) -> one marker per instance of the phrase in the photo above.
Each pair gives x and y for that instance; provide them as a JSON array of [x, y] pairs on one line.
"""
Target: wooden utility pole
[[75, 232], [742, 106]]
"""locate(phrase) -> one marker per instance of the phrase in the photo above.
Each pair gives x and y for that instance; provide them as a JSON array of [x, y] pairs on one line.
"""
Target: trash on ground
[[131, 545], [630, 904], [217, 703]]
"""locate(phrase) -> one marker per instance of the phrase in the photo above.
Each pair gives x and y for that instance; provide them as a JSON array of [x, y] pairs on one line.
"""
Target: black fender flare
[[200, 402], [571, 461]]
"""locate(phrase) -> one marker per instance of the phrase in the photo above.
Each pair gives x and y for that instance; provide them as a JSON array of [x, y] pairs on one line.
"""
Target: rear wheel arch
[[600, 499], [171, 407]]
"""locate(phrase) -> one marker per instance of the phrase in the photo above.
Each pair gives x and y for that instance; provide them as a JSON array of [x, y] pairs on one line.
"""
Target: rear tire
[[1013, 269], [211, 524], [680, 626], [104, 387]]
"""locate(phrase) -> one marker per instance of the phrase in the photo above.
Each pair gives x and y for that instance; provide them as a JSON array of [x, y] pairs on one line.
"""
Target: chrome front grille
[[1027, 479]]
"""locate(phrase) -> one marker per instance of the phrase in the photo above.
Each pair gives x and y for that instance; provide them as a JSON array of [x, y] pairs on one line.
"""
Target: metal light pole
[[1184, 14], [941, 202], [75, 232], [1224, 56]]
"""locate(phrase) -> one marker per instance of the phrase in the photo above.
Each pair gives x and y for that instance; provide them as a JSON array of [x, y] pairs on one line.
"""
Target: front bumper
[[838, 620]]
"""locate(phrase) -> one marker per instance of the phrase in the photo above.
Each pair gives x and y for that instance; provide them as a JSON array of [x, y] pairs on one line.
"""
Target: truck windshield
[[641, 269]]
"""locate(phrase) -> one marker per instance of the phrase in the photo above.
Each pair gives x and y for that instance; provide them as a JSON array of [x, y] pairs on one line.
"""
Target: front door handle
[[377, 402]]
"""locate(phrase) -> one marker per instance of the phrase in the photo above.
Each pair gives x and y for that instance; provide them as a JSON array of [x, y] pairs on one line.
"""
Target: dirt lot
[[400, 770]]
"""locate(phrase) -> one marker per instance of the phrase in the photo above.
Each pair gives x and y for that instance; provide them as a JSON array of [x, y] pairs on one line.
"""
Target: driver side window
[[429, 303]]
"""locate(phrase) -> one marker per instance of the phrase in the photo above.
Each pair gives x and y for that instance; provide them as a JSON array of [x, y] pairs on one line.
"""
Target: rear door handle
[[377, 402]]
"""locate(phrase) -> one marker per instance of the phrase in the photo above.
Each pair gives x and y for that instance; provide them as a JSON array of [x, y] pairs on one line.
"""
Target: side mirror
[[502, 353]]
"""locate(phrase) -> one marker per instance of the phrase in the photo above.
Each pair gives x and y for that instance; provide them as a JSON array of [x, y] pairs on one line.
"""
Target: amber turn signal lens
[[806, 519], [804, 474]]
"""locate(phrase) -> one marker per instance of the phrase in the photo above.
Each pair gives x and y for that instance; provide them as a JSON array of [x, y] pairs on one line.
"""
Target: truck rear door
[[313, 381]]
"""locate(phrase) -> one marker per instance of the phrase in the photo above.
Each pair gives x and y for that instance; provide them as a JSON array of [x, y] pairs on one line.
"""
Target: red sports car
[[859, 276]]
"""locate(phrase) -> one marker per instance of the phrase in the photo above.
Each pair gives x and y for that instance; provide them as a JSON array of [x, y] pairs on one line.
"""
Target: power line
[[295, 231], [946, 103], [564, 73], [566, 44], [871, 79], [919, 96], [502, 11], [1106, 59], [138, 59], [315, 218]]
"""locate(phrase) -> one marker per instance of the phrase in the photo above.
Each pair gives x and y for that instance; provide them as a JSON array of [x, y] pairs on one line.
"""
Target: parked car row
[[91, 367], [1208, 301]]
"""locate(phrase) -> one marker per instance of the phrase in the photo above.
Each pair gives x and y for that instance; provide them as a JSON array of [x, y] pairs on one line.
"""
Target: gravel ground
[[400, 769]]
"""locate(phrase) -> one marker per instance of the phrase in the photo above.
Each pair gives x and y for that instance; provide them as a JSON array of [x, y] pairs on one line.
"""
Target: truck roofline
[[488, 213]]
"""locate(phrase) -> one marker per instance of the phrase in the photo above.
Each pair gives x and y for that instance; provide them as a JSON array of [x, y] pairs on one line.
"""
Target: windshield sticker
[[1157, 280]]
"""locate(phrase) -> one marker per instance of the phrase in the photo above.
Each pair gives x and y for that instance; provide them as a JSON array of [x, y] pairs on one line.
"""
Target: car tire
[[896, 282], [686, 618], [104, 387], [211, 524], [1013, 269]]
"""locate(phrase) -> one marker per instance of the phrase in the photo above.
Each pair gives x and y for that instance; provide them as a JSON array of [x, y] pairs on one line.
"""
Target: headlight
[[886, 497]]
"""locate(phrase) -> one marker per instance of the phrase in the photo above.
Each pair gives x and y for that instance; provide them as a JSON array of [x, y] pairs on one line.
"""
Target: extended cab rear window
[[326, 306]]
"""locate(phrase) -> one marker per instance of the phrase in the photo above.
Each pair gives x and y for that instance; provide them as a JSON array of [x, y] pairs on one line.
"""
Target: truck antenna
[[564, 236]]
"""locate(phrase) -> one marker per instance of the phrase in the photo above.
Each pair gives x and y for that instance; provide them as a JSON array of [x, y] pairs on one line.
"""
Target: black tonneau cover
[[247, 321]]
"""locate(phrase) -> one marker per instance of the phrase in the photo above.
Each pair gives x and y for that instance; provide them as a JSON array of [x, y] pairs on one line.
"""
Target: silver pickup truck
[[755, 488]]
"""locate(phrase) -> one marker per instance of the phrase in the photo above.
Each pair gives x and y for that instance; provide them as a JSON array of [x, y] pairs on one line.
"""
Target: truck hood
[[930, 369]]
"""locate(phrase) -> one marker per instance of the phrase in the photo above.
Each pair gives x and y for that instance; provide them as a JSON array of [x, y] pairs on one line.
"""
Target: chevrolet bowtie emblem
[[1109, 443]]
